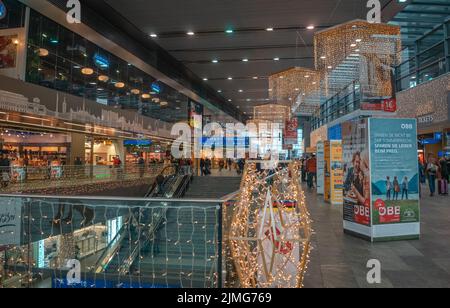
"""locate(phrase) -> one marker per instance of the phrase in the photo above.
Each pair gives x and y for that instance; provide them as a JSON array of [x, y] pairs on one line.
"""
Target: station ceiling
[[236, 35]]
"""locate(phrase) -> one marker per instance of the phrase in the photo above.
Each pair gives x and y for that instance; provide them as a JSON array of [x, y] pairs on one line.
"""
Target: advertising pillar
[[333, 172], [320, 168], [381, 187]]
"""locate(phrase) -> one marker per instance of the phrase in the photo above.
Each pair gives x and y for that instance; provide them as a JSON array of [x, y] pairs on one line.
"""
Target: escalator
[[140, 229]]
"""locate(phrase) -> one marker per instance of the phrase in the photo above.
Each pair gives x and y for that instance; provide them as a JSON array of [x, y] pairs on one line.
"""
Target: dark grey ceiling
[[290, 41]]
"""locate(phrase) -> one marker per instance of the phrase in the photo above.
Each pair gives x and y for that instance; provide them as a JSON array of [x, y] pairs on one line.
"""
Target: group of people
[[394, 187], [309, 170], [435, 170]]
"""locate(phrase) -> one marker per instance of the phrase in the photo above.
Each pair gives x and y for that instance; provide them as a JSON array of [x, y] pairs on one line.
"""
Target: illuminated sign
[[2, 10], [101, 61], [156, 88]]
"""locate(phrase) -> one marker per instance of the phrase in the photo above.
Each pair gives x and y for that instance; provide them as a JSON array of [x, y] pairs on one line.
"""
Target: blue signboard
[[156, 88], [139, 143], [335, 132], [228, 141], [101, 61], [3, 10]]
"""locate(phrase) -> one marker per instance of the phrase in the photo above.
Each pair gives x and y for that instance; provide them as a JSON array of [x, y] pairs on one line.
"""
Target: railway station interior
[[224, 144]]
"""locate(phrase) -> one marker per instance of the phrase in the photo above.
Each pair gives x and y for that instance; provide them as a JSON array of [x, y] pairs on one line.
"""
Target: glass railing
[[29, 179], [73, 242]]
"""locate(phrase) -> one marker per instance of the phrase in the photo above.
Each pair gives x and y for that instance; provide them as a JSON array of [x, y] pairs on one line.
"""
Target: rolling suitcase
[[443, 187]]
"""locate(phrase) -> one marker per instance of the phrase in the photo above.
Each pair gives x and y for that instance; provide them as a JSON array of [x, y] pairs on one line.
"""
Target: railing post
[[220, 247]]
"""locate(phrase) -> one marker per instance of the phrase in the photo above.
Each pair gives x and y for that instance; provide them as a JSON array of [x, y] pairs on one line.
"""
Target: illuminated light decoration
[[379, 48], [101, 61], [270, 232], [273, 113], [119, 85], [296, 80], [154, 35], [135, 91], [3, 10], [103, 78], [269, 29], [87, 71], [215, 61], [43, 52], [145, 96], [16, 42], [229, 31]]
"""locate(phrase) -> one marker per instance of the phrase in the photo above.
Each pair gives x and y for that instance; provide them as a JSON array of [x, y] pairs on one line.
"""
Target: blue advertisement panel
[[394, 179]]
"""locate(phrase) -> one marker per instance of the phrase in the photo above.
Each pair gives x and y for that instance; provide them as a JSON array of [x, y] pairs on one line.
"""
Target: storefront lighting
[[145, 96], [135, 91], [103, 78], [87, 71], [119, 85], [43, 52]]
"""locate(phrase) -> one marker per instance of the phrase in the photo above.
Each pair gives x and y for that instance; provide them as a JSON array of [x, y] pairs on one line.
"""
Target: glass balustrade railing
[[60, 242]]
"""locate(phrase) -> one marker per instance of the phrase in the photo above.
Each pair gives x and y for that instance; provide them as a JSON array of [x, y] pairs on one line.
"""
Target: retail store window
[[12, 14]]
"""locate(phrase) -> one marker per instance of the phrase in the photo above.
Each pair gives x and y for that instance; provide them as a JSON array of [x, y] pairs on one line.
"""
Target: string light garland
[[270, 230]]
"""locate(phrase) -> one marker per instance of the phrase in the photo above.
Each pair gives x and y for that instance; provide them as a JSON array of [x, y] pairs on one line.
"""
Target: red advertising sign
[[362, 213], [390, 105], [291, 131], [388, 214]]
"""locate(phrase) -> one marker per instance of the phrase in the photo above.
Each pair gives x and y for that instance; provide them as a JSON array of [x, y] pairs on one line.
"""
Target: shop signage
[[10, 222], [3, 10]]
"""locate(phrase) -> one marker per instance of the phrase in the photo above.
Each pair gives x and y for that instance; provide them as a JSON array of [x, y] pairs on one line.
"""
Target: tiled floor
[[339, 260]]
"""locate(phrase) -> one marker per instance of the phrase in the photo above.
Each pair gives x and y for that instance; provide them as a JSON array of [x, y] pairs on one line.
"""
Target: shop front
[[429, 103]]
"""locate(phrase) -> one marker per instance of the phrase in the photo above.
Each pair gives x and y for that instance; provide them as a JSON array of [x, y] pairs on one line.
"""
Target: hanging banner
[[195, 115], [320, 168], [291, 131], [395, 179], [10, 221], [355, 145], [336, 172]]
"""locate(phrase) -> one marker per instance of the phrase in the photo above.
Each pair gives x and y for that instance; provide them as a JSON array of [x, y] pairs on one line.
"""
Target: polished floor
[[339, 260]]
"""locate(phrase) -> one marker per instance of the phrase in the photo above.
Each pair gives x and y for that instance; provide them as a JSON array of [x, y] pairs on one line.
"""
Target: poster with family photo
[[356, 172]]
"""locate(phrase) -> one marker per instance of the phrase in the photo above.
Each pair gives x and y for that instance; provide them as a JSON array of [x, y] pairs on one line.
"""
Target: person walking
[[396, 188], [202, 167], [221, 165], [141, 166], [443, 181], [5, 170], [431, 171], [311, 168], [405, 188], [388, 188]]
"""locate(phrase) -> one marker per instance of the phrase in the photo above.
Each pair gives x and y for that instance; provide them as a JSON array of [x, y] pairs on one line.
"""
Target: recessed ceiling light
[[323, 57], [245, 60], [248, 99], [215, 61], [230, 78], [205, 79], [256, 77], [276, 59], [230, 100], [311, 27], [238, 107], [240, 91], [154, 35], [269, 29], [229, 31], [191, 33], [220, 91]]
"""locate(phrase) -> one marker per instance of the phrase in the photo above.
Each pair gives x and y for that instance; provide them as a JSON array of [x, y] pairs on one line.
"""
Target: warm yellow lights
[[135, 91], [145, 96], [43, 52], [87, 71], [119, 85], [103, 78]]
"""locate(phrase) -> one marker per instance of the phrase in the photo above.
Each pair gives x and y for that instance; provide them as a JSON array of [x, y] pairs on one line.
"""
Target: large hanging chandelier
[[358, 51], [273, 113]]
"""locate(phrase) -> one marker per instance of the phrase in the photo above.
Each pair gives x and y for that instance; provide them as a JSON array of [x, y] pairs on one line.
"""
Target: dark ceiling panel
[[171, 19]]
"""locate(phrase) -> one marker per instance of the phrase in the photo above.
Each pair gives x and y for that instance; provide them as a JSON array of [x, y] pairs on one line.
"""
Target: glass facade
[[431, 59], [59, 59]]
